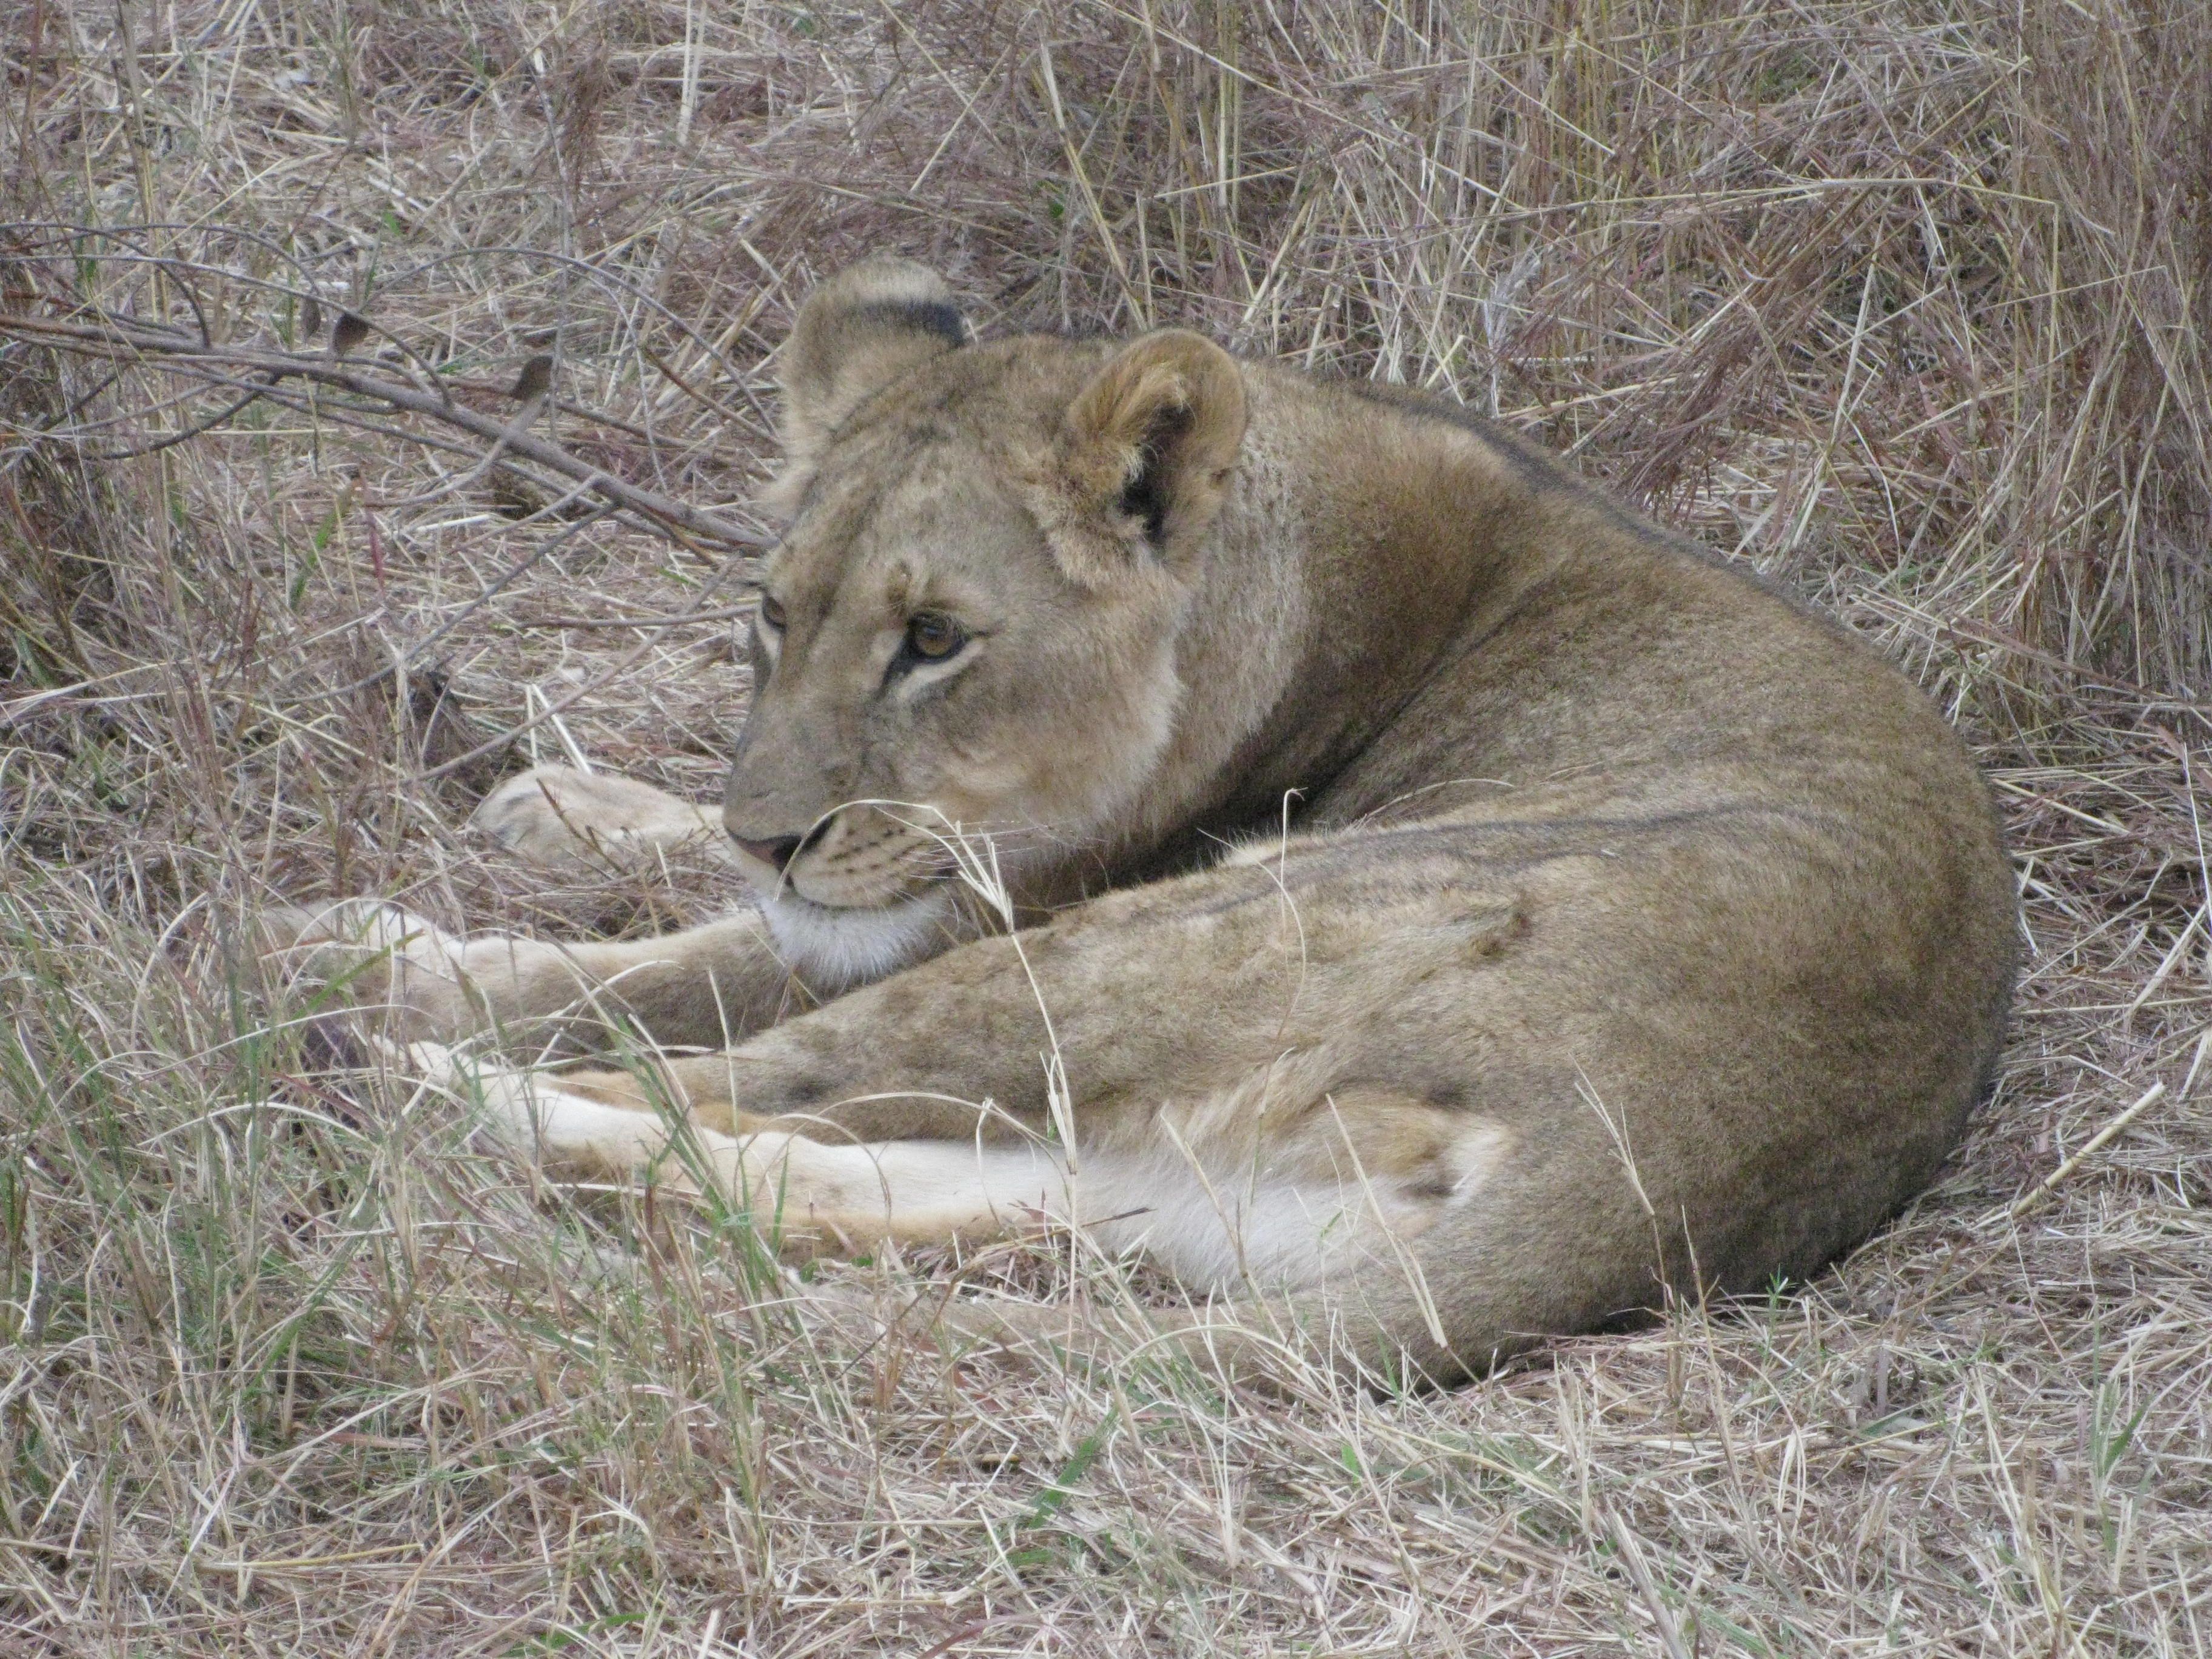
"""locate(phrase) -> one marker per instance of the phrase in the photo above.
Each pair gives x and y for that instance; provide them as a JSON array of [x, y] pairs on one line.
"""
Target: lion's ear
[[1149, 443], [857, 333]]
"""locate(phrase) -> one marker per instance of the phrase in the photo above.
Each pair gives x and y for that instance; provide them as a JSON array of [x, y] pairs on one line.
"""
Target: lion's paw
[[559, 817], [353, 938], [426, 981]]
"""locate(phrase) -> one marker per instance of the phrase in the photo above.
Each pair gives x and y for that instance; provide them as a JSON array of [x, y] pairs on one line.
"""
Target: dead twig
[[122, 339]]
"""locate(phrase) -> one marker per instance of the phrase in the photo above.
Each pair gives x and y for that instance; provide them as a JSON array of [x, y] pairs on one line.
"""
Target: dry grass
[[1902, 300]]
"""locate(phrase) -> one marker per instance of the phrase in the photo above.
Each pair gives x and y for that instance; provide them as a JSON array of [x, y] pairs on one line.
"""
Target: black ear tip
[[937, 317], [857, 332]]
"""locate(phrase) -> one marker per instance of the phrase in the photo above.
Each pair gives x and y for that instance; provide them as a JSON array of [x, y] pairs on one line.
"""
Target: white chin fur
[[853, 947]]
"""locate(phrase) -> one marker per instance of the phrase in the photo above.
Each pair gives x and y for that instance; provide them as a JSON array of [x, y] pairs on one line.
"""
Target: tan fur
[[1459, 906]]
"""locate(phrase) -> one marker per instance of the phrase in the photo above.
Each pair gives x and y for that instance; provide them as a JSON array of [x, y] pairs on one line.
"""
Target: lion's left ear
[[1148, 445], [858, 333]]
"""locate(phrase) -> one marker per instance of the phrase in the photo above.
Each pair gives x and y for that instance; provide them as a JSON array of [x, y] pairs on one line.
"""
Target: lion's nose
[[776, 852]]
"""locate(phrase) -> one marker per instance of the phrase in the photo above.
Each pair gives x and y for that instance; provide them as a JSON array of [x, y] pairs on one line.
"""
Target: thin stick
[[114, 338], [683, 619], [1640, 1573], [2148, 1098]]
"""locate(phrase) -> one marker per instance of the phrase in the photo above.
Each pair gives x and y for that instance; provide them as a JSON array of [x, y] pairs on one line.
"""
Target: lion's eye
[[771, 612], [932, 637]]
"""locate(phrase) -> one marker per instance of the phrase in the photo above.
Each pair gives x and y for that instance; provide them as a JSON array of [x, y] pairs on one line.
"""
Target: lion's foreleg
[[704, 988], [1167, 993], [708, 987]]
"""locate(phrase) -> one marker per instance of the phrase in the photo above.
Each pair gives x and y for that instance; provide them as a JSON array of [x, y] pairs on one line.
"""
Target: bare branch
[[124, 339]]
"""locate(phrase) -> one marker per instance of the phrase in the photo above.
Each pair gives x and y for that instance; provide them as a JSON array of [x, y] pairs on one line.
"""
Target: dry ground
[[1901, 300]]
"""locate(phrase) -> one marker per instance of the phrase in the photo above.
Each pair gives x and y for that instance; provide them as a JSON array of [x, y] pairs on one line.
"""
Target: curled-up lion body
[[1444, 897]]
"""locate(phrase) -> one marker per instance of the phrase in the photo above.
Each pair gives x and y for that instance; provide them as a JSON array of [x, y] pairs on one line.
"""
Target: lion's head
[[971, 619]]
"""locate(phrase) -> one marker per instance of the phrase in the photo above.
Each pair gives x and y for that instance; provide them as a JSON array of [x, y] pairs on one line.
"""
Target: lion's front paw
[[557, 816], [427, 982]]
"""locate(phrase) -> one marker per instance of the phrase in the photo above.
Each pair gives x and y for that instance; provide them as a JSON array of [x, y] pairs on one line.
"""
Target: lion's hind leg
[[815, 1196]]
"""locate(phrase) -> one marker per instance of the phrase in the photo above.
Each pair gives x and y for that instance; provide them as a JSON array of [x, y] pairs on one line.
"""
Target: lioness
[[1443, 897]]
